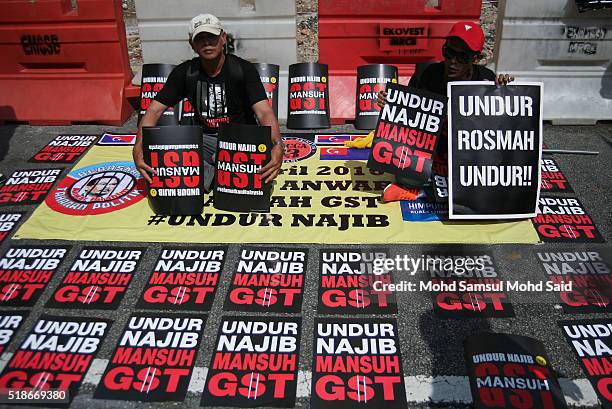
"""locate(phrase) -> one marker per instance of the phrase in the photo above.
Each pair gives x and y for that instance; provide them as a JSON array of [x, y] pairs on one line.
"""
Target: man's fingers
[[145, 170], [381, 99], [141, 164], [266, 174], [503, 79], [145, 175], [266, 167], [270, 171], [272, 176]]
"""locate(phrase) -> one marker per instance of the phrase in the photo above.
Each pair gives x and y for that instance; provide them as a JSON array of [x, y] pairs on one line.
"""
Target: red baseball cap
[[470, 33]]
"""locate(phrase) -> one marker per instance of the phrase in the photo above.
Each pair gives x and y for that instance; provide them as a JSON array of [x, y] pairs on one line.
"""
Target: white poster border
[[450, 133]]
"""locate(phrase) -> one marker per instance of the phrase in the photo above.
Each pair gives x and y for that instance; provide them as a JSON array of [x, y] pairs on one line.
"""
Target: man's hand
[[503, 79], [272, 168], [266, 117], [381, 99], [150, 118], [143, 168]]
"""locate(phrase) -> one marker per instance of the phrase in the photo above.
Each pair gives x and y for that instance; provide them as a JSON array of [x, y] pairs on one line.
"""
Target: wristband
[[281, 143]]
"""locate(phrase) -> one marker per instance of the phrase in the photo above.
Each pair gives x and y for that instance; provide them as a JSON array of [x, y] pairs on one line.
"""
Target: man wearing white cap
[[222, 88]]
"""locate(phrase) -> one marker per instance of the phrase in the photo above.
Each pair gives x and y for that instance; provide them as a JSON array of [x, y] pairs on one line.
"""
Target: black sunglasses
[[207, 38], [461, 57]]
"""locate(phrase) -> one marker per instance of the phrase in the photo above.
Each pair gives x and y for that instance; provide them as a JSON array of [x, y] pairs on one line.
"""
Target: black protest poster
[[564, 220], [590, 5], [8, 221], [241, 152], [308, 96], [56, 354], [371, 79], [357, 363], [495, 146], [582, 278], [511, 371], [254, 363], [154, 358], [28, 186], [269, 75], [268, 280], [25, 271], [553, 179], [10, 321], [175, 153], [154, 78], [64, 149], [466, 284], [184, 278], [591, 340], [439, 179], [352, 281], [408, 130], [97, 279]]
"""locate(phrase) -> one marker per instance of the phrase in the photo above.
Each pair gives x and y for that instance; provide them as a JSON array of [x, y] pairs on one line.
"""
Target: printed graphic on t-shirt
[[212, 104]]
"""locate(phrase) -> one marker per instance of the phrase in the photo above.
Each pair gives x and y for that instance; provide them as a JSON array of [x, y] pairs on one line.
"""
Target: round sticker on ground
[[297, 149], [97, 189]]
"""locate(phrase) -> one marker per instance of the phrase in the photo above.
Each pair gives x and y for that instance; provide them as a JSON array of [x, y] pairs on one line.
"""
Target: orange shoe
[[395, 192]]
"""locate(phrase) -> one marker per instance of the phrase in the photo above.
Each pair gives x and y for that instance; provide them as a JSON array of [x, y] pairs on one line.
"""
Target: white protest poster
[[494, 149]]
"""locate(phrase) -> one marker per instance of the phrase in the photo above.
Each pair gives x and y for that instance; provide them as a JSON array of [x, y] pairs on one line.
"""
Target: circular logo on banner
[[98, 189], [297, 149]]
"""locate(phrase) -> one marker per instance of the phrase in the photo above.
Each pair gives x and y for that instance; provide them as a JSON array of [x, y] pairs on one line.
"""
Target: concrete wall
[[570, 52], [265, 31]]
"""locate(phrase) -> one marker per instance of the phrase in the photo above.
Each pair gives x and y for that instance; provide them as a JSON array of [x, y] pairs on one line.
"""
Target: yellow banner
[[313, 201]]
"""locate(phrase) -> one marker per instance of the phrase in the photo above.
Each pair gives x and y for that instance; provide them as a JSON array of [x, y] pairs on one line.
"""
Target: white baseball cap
[[204, 23]]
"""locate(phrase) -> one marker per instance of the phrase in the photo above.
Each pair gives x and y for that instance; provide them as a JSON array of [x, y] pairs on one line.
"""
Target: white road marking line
[[198, 379], [419, 389], [94, 374]]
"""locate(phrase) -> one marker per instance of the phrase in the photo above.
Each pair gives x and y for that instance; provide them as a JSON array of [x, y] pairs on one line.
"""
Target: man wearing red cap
[[221, 88], [461, 51]]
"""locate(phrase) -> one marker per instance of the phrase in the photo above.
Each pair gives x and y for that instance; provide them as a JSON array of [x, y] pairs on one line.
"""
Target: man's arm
[[265, 116], [150, 118]]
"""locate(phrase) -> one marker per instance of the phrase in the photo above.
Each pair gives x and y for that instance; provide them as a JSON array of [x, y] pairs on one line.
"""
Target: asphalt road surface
[[431, 348]]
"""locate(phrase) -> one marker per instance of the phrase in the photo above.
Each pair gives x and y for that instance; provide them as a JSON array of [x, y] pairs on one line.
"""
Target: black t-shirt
[[228, 97], [432, 78]]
